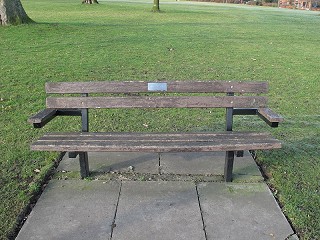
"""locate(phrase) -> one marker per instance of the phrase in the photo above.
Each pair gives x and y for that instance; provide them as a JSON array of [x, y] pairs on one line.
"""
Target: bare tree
[[12, 12], [89, 1]]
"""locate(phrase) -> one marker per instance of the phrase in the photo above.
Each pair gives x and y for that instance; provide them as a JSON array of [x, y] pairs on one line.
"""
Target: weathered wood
[[270, 115], [134, 136], [230, 142], [155, 142], [157, 102], [174, 86], [42, 116]]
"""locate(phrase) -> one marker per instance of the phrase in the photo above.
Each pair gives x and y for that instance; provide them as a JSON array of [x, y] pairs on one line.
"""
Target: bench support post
[[85, 117], [228, 166], [229, 159], [84, 164], [83, 156]]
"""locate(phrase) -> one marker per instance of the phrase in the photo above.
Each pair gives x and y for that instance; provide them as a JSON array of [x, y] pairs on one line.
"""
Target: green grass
[[125, 41]]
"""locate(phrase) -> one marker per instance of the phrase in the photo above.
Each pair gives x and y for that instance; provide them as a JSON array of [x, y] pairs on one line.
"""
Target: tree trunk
[[155, 7], [12, 12], [90, 1]]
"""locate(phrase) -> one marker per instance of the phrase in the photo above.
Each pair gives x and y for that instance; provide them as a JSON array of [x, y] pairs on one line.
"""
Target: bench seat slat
[[172, 86], [124, 136], [155, 142], [158, 102]]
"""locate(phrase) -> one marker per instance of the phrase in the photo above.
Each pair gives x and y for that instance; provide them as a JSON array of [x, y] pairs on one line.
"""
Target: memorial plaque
[[157, 87]]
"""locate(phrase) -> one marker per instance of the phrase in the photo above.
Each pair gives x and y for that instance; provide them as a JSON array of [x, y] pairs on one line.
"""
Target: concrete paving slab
[[113, 161], [208, 163], [241, 211], [157, 211], [73, 210]]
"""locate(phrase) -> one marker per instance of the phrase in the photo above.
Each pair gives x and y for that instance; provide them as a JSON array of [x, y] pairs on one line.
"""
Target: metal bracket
[[239, 153]]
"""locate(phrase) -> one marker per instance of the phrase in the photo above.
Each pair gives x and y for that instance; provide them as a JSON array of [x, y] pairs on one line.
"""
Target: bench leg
[[84, 164], [228, 166]]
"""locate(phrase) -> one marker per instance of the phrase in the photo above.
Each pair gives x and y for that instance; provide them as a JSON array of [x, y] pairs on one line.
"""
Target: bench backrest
[[234, 97]]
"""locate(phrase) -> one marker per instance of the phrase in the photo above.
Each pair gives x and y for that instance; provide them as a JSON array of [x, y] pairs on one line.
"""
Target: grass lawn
[[118, 40]]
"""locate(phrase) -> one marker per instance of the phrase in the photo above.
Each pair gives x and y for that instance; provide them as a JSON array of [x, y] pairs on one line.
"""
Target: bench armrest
[[46, 115], [266, 114], [270, 117], [42, 117]]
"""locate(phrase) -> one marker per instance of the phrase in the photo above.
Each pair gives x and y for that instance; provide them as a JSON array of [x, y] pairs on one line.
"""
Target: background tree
[[155, 7], [12, 12], [89, 1]]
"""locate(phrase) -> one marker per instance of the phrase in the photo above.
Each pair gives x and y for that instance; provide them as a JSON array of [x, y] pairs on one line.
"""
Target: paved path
[[138, 210]]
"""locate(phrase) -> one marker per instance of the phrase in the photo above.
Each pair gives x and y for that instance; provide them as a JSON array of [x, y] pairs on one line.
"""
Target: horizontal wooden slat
[[157, 102], [111, 136], [155, 142], [172, 86]]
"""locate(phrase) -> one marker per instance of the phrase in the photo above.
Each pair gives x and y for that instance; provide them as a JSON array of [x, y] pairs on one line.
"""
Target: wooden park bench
[[238, 98]]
